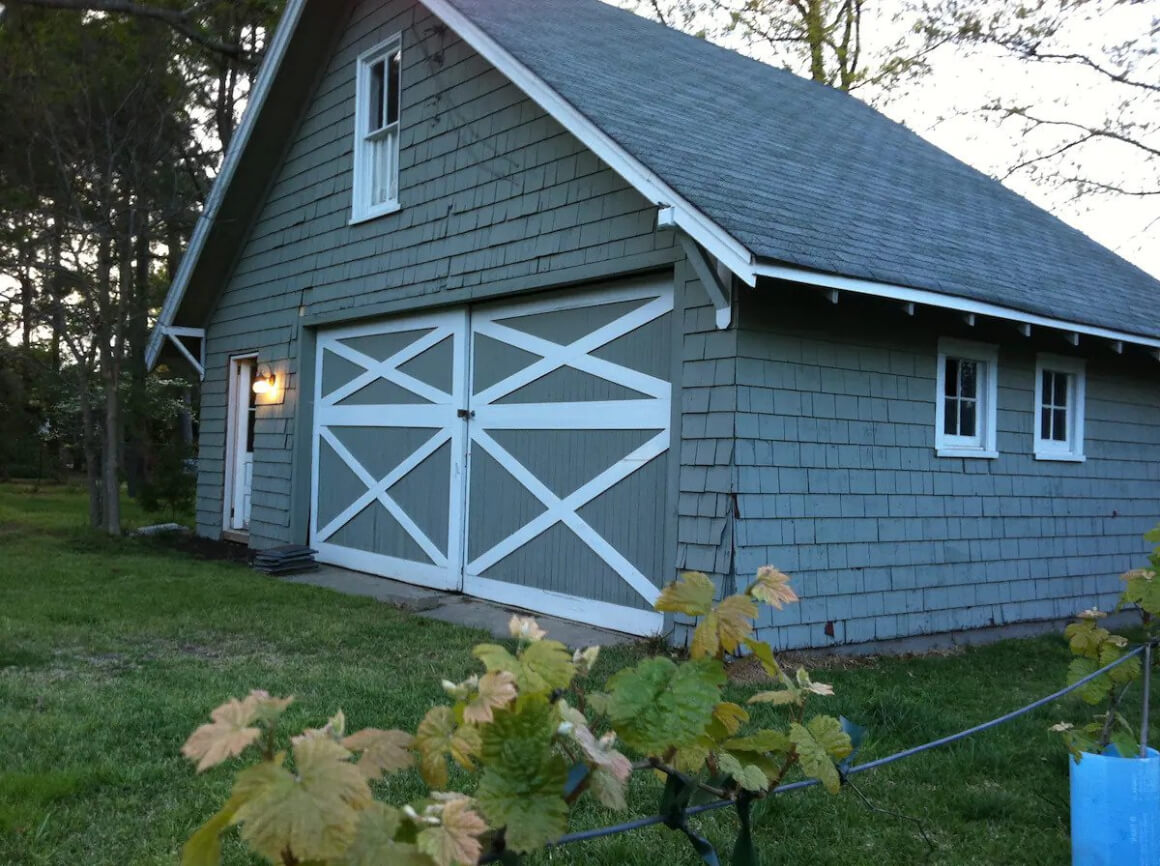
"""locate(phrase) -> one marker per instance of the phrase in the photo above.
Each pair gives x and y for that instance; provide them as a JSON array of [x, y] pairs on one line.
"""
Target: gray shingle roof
[[808, 176]]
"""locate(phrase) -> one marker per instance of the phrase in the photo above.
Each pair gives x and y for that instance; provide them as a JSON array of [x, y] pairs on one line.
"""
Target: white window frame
[[984, 443], [1076, 370], [363, 206]]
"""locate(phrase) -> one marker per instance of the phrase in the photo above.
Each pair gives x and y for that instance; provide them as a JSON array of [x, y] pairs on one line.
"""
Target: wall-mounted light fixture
[[265, 384]]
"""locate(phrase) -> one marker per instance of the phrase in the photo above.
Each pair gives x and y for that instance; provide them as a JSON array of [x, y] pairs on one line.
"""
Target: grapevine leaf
[[735, 617], [690, 759], [545, 665], [608, 789], [772, 587], [228, 735], [268, 709], [748, 776], [1126, 744], [779, 698], [1085, 637], [525, 628], [313, 814], [585, 660], [727, 720], [374, 842], [601, 753], [692, 594], [706, 637], [763, 652], [819, 743], [658, 704], [496, 689], [496, 658], [1093, 692], [204, 847], [762, 741], [383, 752], [523, 780], [456, 838], [435, 738]]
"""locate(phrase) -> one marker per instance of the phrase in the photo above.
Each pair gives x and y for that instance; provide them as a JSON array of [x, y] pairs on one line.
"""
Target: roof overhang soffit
[[834, 285]]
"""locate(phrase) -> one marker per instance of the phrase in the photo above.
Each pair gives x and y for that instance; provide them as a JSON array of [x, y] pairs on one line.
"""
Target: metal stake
[[1147, 700]]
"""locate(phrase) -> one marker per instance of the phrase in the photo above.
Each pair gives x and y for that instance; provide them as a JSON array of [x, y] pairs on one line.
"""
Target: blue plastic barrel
[[1115, 810]]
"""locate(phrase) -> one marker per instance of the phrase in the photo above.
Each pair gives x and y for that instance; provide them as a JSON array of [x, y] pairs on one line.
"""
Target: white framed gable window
[[1059, 408], [966, 399], [376, 130]]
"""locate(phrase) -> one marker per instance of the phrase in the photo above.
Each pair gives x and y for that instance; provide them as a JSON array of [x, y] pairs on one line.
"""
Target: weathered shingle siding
[[707, 396], [493, 191], [839, 484]]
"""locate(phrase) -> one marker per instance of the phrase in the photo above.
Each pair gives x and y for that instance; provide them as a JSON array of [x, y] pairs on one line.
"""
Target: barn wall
[[496, 198], [838, 483]]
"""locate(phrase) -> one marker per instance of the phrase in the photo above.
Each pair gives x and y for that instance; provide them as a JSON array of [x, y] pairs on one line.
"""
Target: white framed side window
[[967, 399], [1059, 408], [376, 130]]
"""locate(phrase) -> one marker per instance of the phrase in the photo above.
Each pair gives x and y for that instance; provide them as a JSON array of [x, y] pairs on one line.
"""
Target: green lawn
[[111, 652]]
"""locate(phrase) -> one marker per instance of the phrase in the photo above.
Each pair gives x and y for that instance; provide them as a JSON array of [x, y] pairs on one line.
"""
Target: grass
[[112, 651]]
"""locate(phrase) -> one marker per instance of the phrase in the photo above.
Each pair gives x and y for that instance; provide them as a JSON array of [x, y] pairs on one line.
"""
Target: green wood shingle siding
[[495, 196], [838, 483]]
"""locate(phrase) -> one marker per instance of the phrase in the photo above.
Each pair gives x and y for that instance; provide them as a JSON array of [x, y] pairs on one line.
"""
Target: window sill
[[374, 213], [1060, 458], [967, 452]]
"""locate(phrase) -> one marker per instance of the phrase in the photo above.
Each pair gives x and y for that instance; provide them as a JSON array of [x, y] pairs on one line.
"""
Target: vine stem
[[658, 764]]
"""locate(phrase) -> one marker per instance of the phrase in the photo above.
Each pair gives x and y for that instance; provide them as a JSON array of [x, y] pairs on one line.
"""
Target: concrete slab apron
[[453, 608]]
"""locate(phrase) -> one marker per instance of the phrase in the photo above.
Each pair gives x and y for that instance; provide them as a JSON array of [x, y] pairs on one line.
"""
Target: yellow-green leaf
[[545, 665], [437, 737], [727, 720], [204, 847], [772, 587], [228, 735], [748, 776], [706, 640], [607, 789], [382, 751], [763, 652], [762, 741], [735, 617], [374, 842], [692, 594], [456, 839], [819, 743], [313, 813], [779, 697], [496, 658]]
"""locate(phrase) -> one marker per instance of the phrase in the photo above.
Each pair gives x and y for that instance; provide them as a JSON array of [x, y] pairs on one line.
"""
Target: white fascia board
[[272, 62], [946, 302], [716, 241]]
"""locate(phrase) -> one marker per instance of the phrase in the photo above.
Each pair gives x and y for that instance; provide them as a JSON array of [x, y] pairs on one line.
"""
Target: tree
[[1092, 124], [115, 124]]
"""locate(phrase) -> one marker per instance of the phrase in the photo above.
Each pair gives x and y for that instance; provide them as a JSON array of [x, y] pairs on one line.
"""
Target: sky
[[943, 108]]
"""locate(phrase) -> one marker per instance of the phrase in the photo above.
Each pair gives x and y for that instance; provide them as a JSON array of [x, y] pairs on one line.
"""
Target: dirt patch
[[203, 548], [748, 670]]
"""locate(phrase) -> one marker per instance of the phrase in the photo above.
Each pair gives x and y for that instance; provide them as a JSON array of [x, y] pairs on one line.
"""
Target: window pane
[[375, 97], [393, 87], [1044, 423], [1061, 380], [1046, 388], [951, 417], [970, 371], [967, 417], [1059, 425], [951, 384]]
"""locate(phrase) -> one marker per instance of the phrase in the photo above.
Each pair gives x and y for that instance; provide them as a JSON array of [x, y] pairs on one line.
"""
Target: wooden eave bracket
[[716, 278], [175, 334]]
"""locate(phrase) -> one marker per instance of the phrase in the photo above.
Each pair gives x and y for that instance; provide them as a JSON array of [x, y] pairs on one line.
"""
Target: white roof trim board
[[680, 213], [261, 90]]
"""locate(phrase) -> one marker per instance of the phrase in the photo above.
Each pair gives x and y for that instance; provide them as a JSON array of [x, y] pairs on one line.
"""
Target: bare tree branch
[[179, 20]]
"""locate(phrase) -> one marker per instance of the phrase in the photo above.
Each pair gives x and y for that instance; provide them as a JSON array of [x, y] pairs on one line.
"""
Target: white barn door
[[515, 451]]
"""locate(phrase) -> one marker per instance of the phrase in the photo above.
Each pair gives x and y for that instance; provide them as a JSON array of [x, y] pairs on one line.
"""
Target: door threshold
[[238, 536]]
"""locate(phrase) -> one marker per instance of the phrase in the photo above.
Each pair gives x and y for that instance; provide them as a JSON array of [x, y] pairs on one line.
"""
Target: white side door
[[240, 459]]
